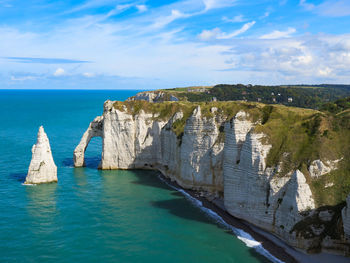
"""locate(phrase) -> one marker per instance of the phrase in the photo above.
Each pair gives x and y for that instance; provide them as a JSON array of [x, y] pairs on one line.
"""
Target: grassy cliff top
[[227, 109], [306, 96], [298, 136]]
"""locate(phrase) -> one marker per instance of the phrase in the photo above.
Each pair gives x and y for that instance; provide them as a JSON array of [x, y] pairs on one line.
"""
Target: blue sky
[[139, 44]]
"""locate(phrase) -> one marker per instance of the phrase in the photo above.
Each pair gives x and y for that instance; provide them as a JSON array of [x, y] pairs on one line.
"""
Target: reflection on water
[[42, 209], [80, 176], [41, 199]]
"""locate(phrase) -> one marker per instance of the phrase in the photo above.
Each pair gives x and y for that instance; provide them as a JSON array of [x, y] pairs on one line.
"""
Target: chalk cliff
[[222, 152], [42, 168]]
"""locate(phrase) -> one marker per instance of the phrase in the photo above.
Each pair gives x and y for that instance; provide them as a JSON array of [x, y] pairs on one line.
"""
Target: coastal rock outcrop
[[148, 96], [94, 130], [222, 153], [318, 168], [144, 141], [42, 168]]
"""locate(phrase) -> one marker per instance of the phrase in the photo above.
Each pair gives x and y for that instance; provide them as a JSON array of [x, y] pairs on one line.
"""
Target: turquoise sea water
[[92, 215]]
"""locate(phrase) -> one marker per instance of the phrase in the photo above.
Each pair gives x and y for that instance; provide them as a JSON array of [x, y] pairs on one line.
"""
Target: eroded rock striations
[[221, 157], [42, 168]]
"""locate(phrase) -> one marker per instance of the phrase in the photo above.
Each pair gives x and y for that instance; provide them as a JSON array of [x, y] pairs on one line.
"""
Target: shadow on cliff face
[[19, 177], [90, 162], [149, 178]]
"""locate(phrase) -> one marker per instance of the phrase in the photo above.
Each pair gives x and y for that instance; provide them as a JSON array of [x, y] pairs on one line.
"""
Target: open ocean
[[92, 215]]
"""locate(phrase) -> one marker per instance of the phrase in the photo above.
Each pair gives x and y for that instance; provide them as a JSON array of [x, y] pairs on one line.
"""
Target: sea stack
[[42, 168]]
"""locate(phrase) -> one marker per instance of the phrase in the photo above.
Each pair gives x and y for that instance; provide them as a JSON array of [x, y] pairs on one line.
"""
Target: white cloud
[[306, 5], [266, 14], [141, 8], [216, 33], [59, 72], [243, 29], [236, 19], [165, 20], [334, 8], [324, 71], [23, 78], [91, 4], [134, 49], [212, 4], [88, 74], [329, 8], [209, 34], [279, 34]]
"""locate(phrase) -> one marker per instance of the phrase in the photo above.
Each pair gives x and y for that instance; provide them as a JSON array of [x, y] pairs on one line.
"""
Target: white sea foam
[[239, 233], [29, 184]]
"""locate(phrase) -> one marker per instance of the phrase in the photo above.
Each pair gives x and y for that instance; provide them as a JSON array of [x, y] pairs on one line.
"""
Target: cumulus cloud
[[150, 48], [279, 34], [209, 34], [294, 60], [59, 72], [324, 71]]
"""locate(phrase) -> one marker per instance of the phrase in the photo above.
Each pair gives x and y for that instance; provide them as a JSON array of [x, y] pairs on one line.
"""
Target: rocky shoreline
[[214, 205], [276, 247]]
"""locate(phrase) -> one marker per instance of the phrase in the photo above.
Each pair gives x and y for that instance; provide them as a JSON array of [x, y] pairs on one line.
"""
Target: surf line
[[239, 233]]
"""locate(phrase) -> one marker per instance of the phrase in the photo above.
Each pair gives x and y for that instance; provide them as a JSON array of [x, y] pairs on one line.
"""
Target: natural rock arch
[[95, 130]]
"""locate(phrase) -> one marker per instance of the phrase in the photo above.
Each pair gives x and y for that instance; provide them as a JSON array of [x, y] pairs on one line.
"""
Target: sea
[[92, 215]]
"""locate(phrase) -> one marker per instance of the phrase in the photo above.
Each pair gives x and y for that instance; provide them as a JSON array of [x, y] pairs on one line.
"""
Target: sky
[[140, 44]]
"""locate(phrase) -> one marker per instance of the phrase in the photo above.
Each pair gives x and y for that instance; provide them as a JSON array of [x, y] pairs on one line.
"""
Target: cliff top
[[305, 96]]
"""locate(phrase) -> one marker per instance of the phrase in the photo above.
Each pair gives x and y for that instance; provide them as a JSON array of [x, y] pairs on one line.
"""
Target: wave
[[239, 233]]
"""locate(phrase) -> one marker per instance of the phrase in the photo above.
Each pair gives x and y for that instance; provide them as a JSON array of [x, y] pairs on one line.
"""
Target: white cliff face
[[247, 183], [145, 142], [232, 166], [244, 167], [318, 168], [130, 141], [294, 198], [149, 96], [346, 219], [201, 153], [42, 168], [254, 193]]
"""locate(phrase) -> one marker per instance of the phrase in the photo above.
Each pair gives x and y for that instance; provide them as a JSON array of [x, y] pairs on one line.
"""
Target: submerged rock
[[42, 168]]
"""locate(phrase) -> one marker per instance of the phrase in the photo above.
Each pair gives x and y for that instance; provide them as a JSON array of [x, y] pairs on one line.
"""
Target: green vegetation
[[299, 136], [337, 106], [312, 96]]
